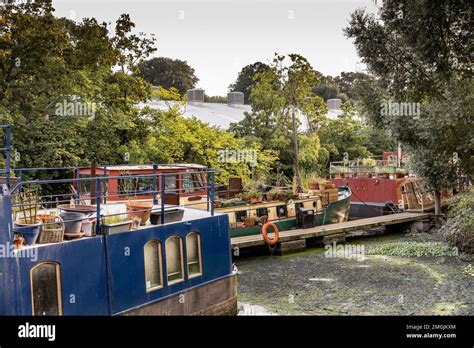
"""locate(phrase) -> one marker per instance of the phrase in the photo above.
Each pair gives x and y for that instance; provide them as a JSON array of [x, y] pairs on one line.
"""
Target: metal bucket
[[72, 221]]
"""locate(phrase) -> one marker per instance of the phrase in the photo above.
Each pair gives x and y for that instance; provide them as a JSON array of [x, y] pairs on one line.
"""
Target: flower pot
[[78, 208], [269, 196], [30, 232], [249, 222], [19, 242], [171, 215], [141, 210], [87, 227], [314, 186], [253, 200], [72, 221], [119, 227]]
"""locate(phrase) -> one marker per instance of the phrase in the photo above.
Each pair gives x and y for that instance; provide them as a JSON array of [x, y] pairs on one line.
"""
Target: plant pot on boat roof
[[27, 224], [115, 224], [320, 184], [276, 193], [137, 209], [249, 221], [255, 197]]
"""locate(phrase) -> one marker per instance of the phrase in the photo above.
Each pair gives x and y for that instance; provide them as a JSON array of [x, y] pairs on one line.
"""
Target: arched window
[[174, 259], [46, 289], [193, 254], [153, 265]]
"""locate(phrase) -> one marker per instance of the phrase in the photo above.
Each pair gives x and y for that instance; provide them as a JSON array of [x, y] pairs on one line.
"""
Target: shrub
[[458, 230]]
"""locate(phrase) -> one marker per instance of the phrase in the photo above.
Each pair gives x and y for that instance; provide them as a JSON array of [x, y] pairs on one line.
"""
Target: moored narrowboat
[[105, 260], [303, 211]]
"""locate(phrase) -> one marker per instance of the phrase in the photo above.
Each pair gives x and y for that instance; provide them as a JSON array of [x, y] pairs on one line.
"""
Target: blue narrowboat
[[178, 262]]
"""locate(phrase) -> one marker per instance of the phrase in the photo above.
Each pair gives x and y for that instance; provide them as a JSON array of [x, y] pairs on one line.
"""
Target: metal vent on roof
[[235, 98], [196, 95], [334, 104]]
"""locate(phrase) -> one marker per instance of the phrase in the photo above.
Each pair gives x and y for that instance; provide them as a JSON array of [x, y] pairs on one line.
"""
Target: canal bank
[[387, 280]]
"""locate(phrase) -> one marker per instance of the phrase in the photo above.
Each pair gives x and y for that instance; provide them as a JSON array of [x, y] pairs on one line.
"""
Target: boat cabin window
[[282, 211], [174, 259], [171, 183], [192, 182], [46, 289], [262, 212], [239, 215], [85, 185], [193, 254], [153, 267], [138, 185]]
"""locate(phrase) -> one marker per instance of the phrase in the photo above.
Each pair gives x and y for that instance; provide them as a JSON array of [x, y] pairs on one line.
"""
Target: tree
[[47, 60], [346, 80], [419, 51], [246, 79], [167, 73], [281, 96], [171, 138], [343, 135]]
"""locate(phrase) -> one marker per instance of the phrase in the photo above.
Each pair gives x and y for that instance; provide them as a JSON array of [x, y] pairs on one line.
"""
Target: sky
[[219, 37]]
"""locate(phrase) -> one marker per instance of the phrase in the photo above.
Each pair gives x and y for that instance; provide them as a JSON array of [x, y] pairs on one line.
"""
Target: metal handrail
[[207, 187]]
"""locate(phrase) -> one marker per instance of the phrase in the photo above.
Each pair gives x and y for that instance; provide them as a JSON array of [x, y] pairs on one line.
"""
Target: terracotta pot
[[141, 210], [254, 200], [314, 186], [269, 197], [249, 222]]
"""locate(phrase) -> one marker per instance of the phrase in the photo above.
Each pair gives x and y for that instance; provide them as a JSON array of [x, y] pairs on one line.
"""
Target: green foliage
[[215, 99], [246, 79], [420, 53], [341, 135], [458, 230], [168, 73], [410, 249], [48, 60]]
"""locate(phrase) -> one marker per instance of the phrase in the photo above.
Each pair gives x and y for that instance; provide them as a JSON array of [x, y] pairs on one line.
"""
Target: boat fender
[[265, 235]]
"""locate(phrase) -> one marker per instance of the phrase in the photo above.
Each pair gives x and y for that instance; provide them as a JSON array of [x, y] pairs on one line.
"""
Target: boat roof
[[132, 167]]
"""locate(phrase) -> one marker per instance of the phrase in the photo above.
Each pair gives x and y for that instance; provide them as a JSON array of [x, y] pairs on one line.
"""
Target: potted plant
[[27, 223], [115, 224], [18, 241], [276, 194], [255, 197], [249, 221], [244, 196], [322, 183], [137, 209]]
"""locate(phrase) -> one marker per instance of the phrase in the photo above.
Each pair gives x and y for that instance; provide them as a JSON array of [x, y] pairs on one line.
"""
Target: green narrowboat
[[322, 208]]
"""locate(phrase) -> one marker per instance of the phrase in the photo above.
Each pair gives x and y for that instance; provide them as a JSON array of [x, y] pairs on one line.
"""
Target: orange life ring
[[265, 236]]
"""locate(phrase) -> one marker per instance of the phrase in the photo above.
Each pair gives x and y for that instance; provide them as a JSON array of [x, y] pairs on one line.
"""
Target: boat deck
[[327, 230]]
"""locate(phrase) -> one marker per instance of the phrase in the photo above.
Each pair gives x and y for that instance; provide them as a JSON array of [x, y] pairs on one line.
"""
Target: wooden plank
[[326, 230]]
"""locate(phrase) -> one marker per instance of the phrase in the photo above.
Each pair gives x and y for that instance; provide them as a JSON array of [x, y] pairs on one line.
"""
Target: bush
[[458, 230]]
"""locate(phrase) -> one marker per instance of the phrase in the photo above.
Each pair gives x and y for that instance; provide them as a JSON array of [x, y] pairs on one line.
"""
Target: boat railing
[[366, 166], [51, 193]]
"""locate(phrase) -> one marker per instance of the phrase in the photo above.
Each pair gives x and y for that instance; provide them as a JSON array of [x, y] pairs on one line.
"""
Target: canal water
[[318, 282]]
